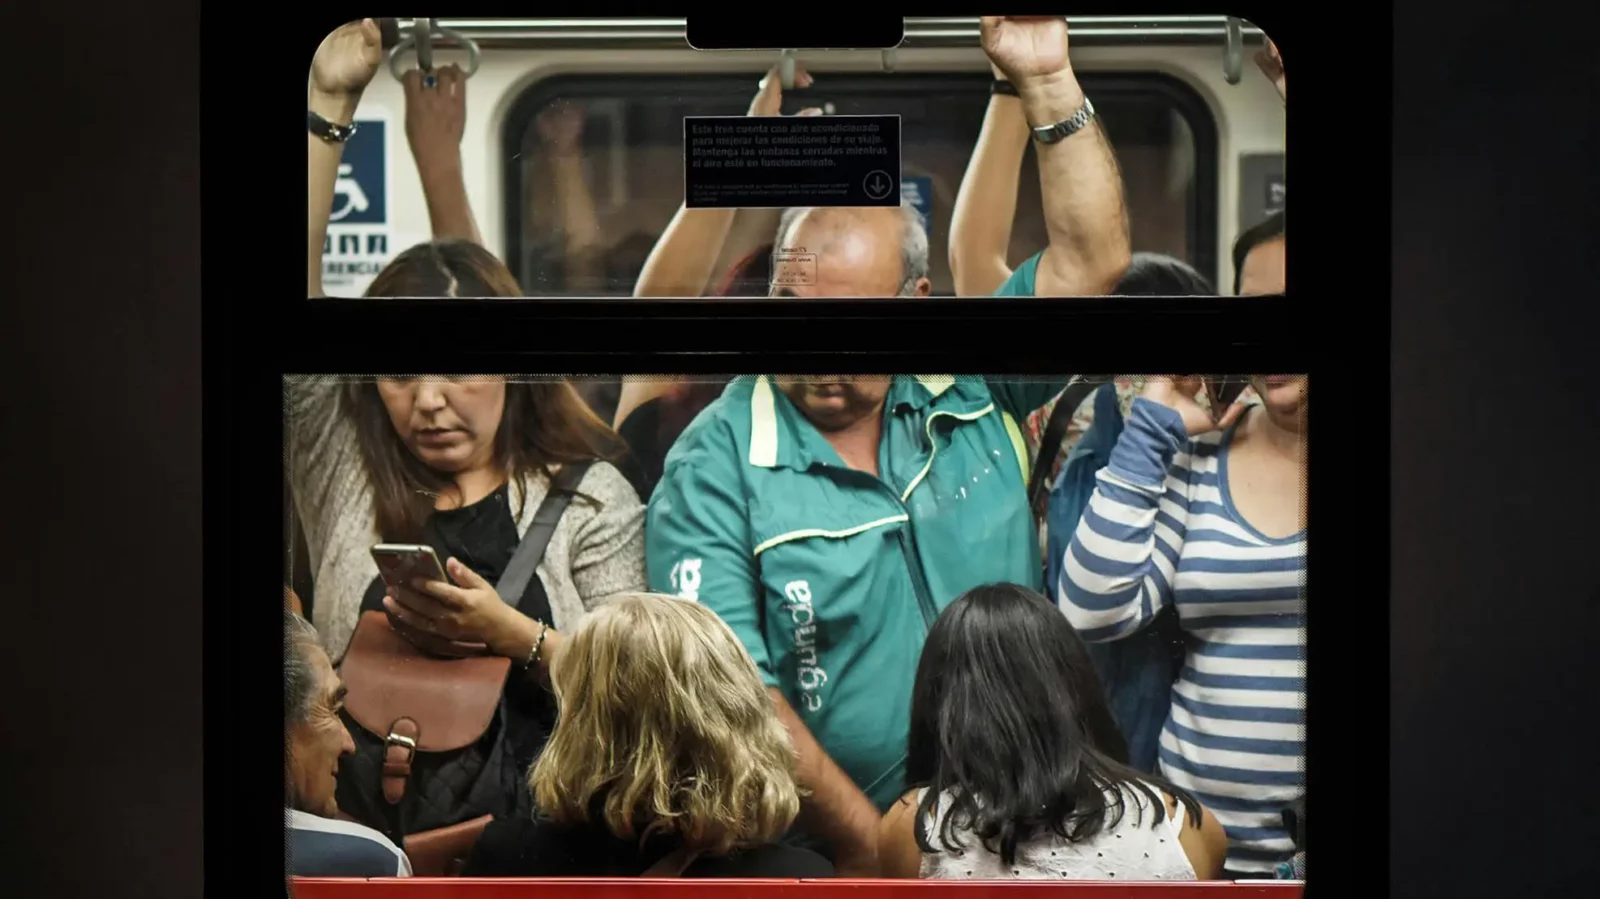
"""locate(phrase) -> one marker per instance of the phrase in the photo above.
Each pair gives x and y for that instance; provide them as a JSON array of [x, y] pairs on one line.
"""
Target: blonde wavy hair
[[664, 727]]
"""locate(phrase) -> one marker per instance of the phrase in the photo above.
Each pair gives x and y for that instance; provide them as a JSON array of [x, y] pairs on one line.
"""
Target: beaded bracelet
[[538, 646]]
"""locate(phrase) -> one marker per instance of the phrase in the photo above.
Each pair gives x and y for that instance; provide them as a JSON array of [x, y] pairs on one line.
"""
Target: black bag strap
[[530, 552], [1055, 431]]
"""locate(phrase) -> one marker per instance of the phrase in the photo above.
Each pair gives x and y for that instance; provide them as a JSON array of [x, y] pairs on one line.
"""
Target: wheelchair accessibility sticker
[[357, 245]]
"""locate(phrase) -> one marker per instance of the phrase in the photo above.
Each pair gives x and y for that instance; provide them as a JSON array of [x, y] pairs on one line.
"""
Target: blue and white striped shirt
[[1162, 529]]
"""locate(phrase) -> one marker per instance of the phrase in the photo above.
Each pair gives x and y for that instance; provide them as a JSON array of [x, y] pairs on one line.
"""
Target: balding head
[[858, 252]]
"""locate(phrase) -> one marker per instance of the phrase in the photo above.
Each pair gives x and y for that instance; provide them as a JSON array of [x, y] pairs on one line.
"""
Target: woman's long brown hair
[[544, 424], [445, 268]]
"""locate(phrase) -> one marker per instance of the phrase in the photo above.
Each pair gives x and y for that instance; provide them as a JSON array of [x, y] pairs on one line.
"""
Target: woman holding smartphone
[[461, 466]]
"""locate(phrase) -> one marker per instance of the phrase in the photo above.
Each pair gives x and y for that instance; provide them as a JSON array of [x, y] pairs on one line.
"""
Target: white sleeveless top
[[1136, 848]]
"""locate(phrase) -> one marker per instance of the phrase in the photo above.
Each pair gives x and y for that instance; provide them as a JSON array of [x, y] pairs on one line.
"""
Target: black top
[[484, 537], [653, 427], [543, 848]]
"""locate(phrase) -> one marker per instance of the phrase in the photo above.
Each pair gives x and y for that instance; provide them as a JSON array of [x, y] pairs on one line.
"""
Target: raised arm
[[436, 117], [986, 204], [1271, 64], [1080, 185], [684, 258], [560, 130], [1119, 567], [343, 66]]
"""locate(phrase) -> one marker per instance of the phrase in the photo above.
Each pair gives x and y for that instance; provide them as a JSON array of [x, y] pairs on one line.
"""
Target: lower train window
[[594, 168]]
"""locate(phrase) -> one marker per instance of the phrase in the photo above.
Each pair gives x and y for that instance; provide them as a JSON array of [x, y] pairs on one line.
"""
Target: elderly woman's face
[[317, 744]]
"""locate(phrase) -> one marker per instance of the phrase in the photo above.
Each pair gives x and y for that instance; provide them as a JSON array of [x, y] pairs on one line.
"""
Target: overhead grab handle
[[1233, 51], [786, 69], [421, 36]]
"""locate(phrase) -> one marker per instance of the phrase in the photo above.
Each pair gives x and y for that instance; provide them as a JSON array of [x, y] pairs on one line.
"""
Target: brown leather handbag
[[431, 720]]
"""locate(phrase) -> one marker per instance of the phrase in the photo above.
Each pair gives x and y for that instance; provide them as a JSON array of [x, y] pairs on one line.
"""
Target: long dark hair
[[1010, 722], [1159, 275], [1271, 228], [544, 423]]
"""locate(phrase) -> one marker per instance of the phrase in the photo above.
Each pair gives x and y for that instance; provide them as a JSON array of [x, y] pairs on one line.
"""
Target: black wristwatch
[[328, 131], [1060, 131]]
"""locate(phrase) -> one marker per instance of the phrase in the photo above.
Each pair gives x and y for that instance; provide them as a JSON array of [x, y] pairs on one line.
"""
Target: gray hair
[[299, 676], [913, 243]]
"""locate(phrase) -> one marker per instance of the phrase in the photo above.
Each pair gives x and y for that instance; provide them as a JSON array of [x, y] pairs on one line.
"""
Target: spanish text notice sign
[[757, 162]]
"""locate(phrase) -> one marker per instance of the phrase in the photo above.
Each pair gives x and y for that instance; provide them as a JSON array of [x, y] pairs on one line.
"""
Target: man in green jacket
[[830, 520]]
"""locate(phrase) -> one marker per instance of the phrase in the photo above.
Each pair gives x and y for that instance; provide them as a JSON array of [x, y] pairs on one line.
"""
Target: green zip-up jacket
[[831, 577]]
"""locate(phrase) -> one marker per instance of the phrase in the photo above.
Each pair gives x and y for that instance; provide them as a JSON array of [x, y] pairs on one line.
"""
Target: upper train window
[[594, 166]]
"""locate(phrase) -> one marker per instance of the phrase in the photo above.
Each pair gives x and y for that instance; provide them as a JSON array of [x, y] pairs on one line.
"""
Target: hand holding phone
[[399, 564], [1180, 393], [449, 611], [1222, 391]]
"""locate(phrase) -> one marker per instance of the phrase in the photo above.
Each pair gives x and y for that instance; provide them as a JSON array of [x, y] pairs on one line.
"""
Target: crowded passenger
[[790, 488], [667, 760], [473, 469], [320, 843], [1018, 770], [1207, 515]]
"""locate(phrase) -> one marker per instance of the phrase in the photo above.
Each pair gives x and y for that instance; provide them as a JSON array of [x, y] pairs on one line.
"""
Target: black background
[[717, 187], [1492, 612]]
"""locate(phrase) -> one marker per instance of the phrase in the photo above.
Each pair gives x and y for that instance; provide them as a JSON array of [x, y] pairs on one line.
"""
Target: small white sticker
[[685, 578]]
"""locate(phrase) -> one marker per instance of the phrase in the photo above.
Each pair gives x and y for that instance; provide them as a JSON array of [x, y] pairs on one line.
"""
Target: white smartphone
[[401, 563]]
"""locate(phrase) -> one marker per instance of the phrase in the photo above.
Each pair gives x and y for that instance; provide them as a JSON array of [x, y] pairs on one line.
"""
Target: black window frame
[[1184, 99]]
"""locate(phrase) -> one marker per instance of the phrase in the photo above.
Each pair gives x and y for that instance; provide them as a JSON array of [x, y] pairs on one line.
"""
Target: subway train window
[[1137, 543], [547, 157], [595, 165]]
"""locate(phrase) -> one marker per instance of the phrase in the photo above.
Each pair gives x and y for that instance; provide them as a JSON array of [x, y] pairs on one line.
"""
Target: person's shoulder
[[606, 483], [327, 847], [1023, 280]]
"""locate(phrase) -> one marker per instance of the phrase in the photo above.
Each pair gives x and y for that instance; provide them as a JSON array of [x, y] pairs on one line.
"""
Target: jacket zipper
[[919, 584], [908, 540]]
